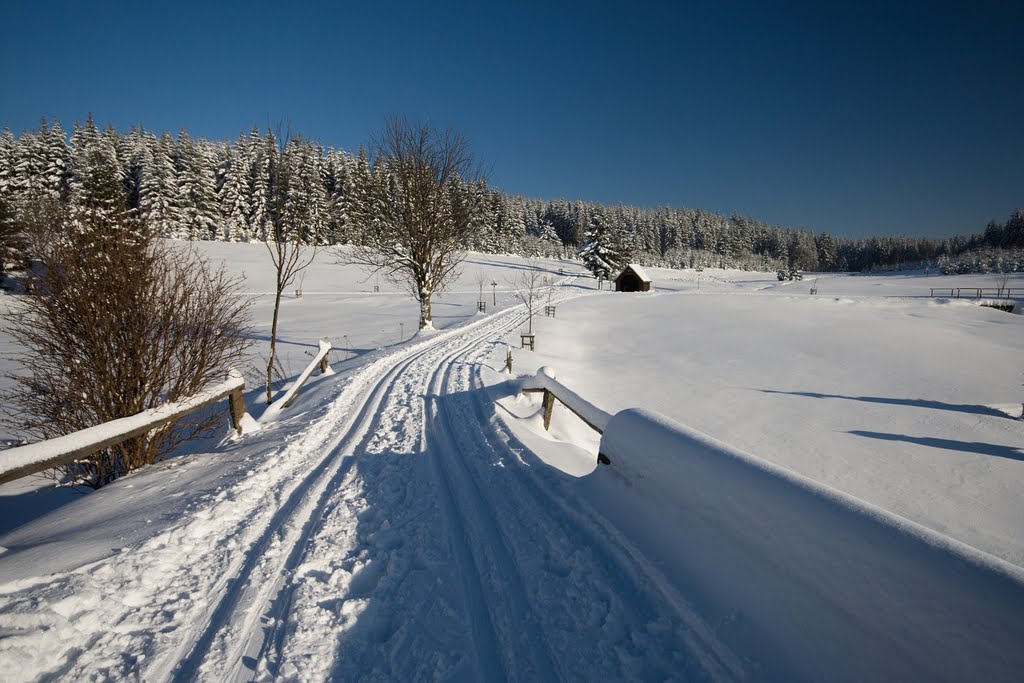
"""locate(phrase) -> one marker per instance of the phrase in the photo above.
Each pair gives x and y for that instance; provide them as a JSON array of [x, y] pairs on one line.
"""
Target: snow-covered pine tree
[[131, 151], [235, 189], [359, 206], [263, 152], [7, 151], [97, 185], [340, 193], [159, 202], [601, 251], [305, 202], [30, 164], [196, 185]]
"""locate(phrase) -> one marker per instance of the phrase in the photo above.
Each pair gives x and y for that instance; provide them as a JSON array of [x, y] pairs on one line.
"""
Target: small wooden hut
[[633, 279]]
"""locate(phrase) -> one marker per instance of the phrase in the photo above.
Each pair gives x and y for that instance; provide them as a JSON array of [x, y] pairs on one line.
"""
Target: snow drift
[[805, 580]]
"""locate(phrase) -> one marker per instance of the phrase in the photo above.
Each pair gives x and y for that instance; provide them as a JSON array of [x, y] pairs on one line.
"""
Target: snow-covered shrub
[[119, 324]]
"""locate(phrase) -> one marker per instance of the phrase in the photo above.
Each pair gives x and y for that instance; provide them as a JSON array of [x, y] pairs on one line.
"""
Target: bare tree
[[291, 240], [481, 280], [1002, 281], [423, 203], [528, 286], [120, 324]]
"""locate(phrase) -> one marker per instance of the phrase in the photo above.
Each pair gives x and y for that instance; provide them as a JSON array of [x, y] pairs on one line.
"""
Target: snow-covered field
[[399, 521]]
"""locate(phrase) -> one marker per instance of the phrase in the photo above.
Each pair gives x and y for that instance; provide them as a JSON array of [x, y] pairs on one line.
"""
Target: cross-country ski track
[[424, 546], [405, 534]]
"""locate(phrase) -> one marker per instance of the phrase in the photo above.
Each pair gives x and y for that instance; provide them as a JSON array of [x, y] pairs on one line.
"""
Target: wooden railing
[[37, 457], [978, 292], [544, 382], [319, 361]]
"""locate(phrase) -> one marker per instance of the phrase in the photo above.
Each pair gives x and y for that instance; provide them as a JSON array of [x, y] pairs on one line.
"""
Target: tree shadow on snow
[[996, 450], [912, 402]]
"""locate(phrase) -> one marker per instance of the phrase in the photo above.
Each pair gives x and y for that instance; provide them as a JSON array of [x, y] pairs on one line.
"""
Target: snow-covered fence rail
[[544, 382], [978, 292], [319, 360], [36, 457], [822, 586]]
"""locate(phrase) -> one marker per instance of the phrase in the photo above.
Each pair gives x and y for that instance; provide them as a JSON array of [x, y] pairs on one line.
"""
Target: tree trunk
[[273, 345], [425, 320]]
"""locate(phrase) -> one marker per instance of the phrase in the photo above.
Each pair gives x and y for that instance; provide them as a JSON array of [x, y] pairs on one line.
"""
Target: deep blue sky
[[854, 118]]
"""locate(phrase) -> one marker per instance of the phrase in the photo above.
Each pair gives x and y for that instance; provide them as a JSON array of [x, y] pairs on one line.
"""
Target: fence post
[[549, 404], [236, 404], [508, 361]]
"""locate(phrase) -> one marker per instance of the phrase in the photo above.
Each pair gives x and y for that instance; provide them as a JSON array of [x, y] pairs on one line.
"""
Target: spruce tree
[[159, 203], [97, 188], [235, 189], [602, 251], [196, 178]]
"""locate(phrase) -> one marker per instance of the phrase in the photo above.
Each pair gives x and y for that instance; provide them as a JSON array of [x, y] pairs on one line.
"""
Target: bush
[[120, 323]]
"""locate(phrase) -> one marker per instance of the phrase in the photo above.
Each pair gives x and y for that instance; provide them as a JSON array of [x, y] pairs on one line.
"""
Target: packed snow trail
[[423, 562], [402, 535]]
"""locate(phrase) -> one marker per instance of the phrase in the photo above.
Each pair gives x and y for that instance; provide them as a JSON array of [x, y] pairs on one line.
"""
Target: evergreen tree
[[304, 198], [234, 192], [159, 203], [196, 186], [601, 251], [340, 193], [264, 151], [97, 187]]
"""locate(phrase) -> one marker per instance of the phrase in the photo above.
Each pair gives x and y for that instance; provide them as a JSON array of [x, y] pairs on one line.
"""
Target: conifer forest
[[196, 189]]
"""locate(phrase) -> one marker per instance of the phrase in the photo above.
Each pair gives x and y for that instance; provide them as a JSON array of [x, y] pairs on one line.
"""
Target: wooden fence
[[544, 382], [978, 292], [319, 361], [37, 457]]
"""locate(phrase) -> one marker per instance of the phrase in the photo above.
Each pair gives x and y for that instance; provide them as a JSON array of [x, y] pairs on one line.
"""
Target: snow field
[[900, 402], [827, 587], [398, 523]]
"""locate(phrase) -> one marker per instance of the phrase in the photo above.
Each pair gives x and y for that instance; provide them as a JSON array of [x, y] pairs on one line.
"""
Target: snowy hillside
[[409, 518]]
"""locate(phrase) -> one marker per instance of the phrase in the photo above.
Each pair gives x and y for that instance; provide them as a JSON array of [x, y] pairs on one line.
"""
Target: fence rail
[[544, 382], [33, 458], [320, 360], [978, 292]]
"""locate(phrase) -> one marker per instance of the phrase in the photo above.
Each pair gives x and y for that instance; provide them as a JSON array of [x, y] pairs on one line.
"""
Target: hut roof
[[638, 270]]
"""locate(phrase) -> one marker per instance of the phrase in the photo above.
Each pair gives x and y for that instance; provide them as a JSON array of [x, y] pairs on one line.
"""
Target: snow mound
[[812, 580]]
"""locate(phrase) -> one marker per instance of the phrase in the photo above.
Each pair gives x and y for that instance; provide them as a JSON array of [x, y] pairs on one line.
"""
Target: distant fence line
[[978, 292]]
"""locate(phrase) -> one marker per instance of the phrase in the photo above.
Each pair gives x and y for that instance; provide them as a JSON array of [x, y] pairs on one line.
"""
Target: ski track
[[404, 535]]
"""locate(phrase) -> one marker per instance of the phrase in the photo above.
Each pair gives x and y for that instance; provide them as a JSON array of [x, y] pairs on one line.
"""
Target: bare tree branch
[[423, 203], [120, 324]]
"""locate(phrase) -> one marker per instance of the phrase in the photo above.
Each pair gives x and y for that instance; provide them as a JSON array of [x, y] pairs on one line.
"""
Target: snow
[[286, 400], [824, 581], [640, 272], [408, 517], [545, 379]]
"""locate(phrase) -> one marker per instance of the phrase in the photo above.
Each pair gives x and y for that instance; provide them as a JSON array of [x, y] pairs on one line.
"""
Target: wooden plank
[[321, 357], [84, 443]]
